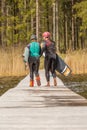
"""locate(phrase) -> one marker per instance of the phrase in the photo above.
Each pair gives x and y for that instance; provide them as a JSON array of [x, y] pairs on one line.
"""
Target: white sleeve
[[26, 54]]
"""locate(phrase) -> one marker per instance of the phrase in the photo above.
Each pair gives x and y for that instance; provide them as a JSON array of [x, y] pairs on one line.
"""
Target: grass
[[74, 78], [7, 83], [11, 61], [84, 94], [77, 61], [12, 68]]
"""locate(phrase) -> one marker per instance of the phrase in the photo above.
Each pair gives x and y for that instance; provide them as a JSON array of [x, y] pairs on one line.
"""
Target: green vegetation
[[84, 93], [81, 9], [7, 83], [65, 19], [74, 78]]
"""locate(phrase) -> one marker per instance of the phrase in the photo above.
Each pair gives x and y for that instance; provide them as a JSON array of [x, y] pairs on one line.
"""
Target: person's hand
[[26, 66], [26, 63]]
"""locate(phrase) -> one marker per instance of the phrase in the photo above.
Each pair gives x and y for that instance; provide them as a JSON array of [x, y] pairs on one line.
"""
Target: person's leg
[[31, 74], [36, 65], [47, 68], [53, 67]]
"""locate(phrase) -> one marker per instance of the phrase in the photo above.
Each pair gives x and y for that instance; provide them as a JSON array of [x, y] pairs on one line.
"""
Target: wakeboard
[[62, 67]]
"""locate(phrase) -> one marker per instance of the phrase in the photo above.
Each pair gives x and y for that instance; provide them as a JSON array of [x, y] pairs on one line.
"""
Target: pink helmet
[[46, 34]]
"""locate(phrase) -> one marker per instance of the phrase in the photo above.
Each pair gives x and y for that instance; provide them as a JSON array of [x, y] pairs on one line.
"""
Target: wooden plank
[[42, 108]]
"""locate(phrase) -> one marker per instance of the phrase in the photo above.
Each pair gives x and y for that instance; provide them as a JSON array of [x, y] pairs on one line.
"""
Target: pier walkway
[[42, 108]]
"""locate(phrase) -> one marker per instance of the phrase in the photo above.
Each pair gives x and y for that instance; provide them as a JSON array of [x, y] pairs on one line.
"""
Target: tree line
[[65, 19]]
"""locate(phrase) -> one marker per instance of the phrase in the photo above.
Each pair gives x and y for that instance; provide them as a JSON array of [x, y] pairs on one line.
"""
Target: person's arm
[[43, 47], [26, 54], [40, 51]]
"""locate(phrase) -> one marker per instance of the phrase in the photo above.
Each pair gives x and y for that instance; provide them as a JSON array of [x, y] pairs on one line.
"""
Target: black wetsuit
[[34, 63], [49, 49], [34, 66]]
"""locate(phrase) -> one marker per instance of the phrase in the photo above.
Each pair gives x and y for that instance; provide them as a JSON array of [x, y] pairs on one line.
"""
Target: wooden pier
[[42, 108]]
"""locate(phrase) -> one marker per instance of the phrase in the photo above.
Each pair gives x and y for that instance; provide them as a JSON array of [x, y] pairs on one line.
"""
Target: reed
[[77, 61], [11, 62]]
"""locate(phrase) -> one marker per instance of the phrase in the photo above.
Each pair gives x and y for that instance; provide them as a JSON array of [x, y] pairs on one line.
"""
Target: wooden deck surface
[[42, 108]]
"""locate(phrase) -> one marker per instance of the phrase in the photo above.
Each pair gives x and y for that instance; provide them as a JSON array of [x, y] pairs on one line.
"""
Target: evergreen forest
[[66, 20]]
